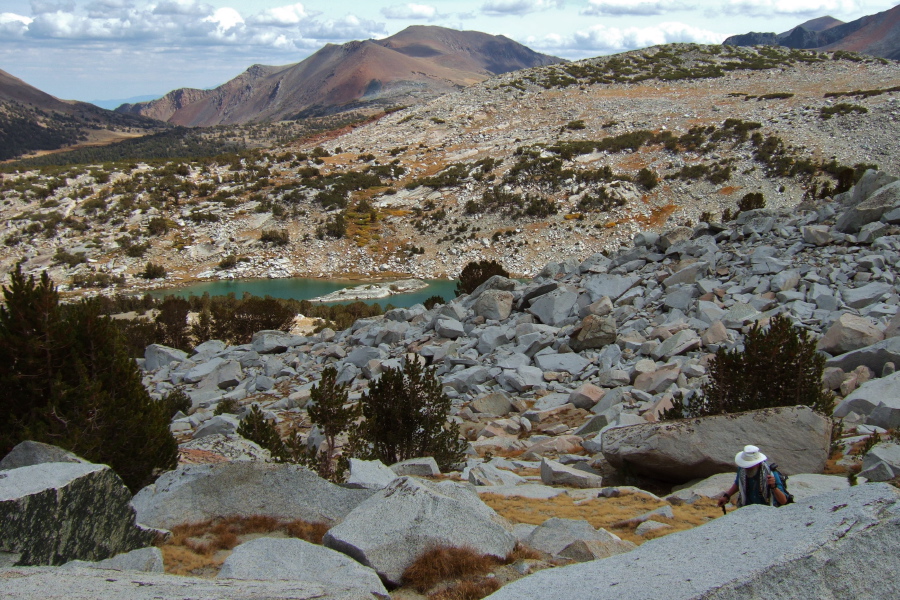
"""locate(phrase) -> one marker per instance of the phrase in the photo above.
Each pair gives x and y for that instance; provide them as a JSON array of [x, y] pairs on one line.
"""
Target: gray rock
[[492, 338], [203, 370], [884, 452], [298, 560], [157, 356], [231, 447], [683, 341], [818, 235], [496, 403], [878, 400], [449, 328], [144, 560], [681, 298], [849, 332], [551, 401], [361, 356], [611, 286], [868, 294], [208, 349], [648, 526], [193, 493], [494, 304], [525, 378], [225, 375], [274, 342], [554, 308], [880, 471], [369, 474], [425, 466], [594, 332], [495, 282], [686, 275], [796, 438], [218, 425], [740, 315], [492, 476], [846, 530], [56, 512], [555, 473], [27, 453], [588, 550], [569, 362], [392, 528], [869, 210], [874, 356], [554, 535]]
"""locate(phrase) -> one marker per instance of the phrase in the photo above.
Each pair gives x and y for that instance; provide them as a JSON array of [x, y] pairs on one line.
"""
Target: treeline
[[178, 142], [225, 318], [20, 131]]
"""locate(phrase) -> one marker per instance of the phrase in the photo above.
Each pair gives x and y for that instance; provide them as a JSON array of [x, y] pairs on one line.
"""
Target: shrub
[[256, 428], [68, 380], [433, 301], [154, 271], [476, 273], [779, 366], [841, 109], [229, 262], [647, 178], [158, 226], [278, 237], [751, 201], [176, 401], [228, 406], [575, 125], [405, 416]]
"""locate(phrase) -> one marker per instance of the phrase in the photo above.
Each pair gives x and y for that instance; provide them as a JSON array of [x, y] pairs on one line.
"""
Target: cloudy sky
[[105, 49]]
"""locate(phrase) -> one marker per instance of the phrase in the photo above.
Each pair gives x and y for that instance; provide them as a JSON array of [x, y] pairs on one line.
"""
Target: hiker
[[756, 483]]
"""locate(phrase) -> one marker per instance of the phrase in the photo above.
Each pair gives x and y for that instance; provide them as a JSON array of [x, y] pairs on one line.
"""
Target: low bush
[[276, 237], [476, 273], [441, 563], [154, 271]]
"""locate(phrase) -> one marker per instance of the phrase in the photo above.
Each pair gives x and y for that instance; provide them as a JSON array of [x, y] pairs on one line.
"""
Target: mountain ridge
[[419, 62], [876, 35]]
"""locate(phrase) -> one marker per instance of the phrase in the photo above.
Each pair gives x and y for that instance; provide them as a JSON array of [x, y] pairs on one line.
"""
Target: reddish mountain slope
[[419, 62]]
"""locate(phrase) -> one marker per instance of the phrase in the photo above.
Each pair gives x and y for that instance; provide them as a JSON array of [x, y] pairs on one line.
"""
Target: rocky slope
[[522, 168], [419, 63], [876, 35]]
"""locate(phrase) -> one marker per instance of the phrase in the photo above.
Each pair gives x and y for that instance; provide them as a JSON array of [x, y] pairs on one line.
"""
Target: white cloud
[[815, 8], [225, 19], [601, 39], [517, 7], [632, 7], [281, 16], [424, 12]]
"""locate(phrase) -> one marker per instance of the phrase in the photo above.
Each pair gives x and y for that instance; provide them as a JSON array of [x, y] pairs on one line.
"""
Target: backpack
[[784, 479]]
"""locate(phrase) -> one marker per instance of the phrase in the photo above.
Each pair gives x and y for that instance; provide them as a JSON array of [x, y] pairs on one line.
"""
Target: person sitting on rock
[[756, 483]]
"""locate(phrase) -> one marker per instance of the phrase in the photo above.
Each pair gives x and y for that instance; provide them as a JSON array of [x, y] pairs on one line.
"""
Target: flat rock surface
[[831, 546], [46, 583]]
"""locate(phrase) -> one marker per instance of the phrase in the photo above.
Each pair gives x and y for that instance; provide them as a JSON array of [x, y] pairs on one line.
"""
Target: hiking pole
[[724, 512]]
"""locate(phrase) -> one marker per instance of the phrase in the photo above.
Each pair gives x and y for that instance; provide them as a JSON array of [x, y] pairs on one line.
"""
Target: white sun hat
[[750, 456]]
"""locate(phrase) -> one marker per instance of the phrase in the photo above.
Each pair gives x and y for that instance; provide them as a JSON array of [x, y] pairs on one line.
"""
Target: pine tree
[[405, 416], [477, 272], [329, 411], [68, 380]]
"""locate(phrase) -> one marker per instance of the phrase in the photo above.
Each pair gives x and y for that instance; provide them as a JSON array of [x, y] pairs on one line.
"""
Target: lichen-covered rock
[[52, 513], [392, 528]]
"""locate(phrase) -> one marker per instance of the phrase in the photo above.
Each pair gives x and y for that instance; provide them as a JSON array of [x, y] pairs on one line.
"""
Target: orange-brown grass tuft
[[612, 514], [200, 548], [441, 563], [468, 590], [522, 552]]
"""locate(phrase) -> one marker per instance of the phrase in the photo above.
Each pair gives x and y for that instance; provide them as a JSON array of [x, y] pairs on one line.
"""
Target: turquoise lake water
[[306, 289]]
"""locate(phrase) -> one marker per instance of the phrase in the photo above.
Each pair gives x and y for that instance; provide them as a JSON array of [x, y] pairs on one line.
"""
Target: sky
[[116, 49]]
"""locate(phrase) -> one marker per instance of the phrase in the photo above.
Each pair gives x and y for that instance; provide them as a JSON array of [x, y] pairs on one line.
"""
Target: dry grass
[[613, 514], [200, 548], [468, 590], [446, 562]]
